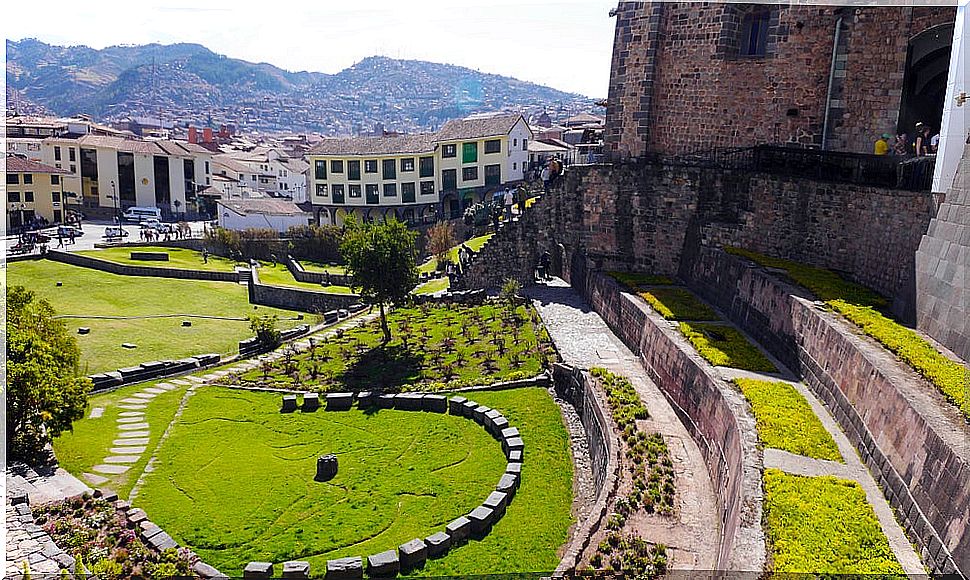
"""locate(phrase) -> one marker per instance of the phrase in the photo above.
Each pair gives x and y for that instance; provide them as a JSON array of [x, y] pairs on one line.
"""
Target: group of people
[[550, 172], [456, 271], [926, 142], [146, 234]]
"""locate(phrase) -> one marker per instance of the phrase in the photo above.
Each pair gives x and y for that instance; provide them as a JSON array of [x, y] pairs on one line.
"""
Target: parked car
[[115, 232], [152, 224], [67, 231], [139, 214]]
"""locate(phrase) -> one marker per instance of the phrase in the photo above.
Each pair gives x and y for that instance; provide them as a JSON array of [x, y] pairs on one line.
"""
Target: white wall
[[955, 128], [518, 159], [108, 172], [144, 170], [233, 221]]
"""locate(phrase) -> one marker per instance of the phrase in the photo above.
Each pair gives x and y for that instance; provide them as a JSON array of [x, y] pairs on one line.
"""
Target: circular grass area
[[235, 479]]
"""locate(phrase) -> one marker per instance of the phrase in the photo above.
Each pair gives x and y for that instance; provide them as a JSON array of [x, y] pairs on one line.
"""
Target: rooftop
[[17, 164], [419, 143], [261, 206], [478, 126]]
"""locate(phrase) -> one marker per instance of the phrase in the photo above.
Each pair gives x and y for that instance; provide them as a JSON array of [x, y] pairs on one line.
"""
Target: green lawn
[[475, 244], [678, 304], [786, 420], [866, 309], [432, 348], [280, 275], [88, 292], [725, 346], [235, 482], [432, 286], [315, 267], [89, 442], [177, 258], [823, 525]]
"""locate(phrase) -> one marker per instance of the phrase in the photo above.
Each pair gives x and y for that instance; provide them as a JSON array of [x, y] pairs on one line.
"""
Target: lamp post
[[114, 198], [23, 217]]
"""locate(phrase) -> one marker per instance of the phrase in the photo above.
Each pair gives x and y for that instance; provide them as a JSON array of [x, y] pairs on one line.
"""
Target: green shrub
[[786, 420], [726, 346], [678, 304], [634, 281], [823, 525], [863, 307]]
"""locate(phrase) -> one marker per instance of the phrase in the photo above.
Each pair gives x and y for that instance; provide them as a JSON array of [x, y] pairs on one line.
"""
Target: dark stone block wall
[[943, 268]]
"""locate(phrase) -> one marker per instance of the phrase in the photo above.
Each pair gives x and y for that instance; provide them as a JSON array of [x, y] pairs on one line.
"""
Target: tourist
[[881, 146], [542, 270], [935, 143], [520, 195], [921, 146], [60, 240], [901, 147], [509, 201], [205, 255], [545, 178], [496, 214]]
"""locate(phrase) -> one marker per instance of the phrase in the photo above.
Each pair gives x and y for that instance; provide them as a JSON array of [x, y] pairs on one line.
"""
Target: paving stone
[[111, 469], [127, 450], [258, 570], [296, 569], [383, 564], [133, 426], [155, 390], [134, 434], [195, 379], [131, 441], [94, 479], [133, 401], [438, 544], [351, 568], [96, 413], [133, 407], [131, 414], [412, 554], [129, 420], [180, 382], [144, 396], [122, 458]]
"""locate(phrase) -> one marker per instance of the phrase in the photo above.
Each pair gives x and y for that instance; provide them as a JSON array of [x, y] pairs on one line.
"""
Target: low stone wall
[[576, 387], [126, 270], [716, 416], [915, 443], [151, 370], [296, 298], [323, 278]]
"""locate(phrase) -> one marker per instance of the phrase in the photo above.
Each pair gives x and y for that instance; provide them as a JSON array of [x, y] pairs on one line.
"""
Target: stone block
[[385, 402], [514, 469], [412, 554], [468, 409], [512, 444], [499, 424], [296, 569], [148, 529], [478, 414], [509, 432], [366, 399], [330, 316], [516, 456], [481, 521], [459, 529], [311, 402], [289, 404], [350, 568], [435, 403], [162, 541], [340, 401], [408, 401], [497, 501], [507, 484], [136, 516], [19, 497], [455, 405], [206, 571], [384, 564], [258, 570], [64, 561], [326, 467], [438, 544]]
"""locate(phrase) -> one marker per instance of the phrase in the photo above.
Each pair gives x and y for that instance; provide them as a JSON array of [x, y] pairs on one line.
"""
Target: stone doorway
[[924, 82]]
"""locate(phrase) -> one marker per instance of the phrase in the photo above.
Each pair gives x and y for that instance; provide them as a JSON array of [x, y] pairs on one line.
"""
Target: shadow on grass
[[383, 369]]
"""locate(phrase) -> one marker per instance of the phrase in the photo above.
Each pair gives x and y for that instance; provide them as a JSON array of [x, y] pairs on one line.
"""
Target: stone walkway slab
[[144, 433], [180, 382], [144, 396], [131, 414], [132, 407], [122, 458], [133, 401], [156, 390], [124, 420], [195, 379], [133, 426], [96, 413], [131, 441], [127, 450], [94, 479], [111, 469]]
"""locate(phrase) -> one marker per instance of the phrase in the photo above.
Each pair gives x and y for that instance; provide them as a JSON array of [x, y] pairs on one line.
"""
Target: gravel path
[[584, 340]]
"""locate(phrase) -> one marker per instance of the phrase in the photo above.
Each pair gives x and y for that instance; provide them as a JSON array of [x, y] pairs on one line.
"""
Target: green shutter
[[469, 152]]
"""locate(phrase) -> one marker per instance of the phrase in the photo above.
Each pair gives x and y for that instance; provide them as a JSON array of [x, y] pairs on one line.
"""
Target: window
[[514, 166], [13, 196], [57, 216], [389, 169], [427, 188], [449, 150], [55, 196], [449, 179], [353, 169], [353, 190], [426, 168], [13, 178], [336, 166], [372, 196], [525, 144], [73, 167], [407, 192], [29, 196], [71, 154], [469, 152], [320, 169], [370, 166], [57, 153], [338, 193], [207, 168], [390, 190], [493, 146], [322, 190], [493, 174], [754, 33], [28, 178], [469, 173], [55, 179], [407, 164], [515, 142]]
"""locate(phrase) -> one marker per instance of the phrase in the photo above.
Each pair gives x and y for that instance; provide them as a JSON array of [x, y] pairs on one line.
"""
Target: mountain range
[[188, 83]]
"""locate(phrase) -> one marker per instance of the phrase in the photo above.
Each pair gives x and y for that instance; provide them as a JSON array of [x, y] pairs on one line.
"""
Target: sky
[[565, 44]]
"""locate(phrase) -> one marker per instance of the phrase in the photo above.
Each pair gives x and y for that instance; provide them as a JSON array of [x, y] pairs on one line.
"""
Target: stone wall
[[679, 83], [126, 270], [296, 298], [323, 278], [916, 444], [716, 415], [943, 268]]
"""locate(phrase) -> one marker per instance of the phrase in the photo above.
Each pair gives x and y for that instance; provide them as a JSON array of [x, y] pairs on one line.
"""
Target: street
[[94, 234]]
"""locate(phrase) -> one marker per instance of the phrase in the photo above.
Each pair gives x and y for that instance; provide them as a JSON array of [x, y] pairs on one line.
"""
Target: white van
[[139, 214]]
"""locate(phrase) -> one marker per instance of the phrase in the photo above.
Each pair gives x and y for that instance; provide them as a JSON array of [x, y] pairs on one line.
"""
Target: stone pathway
[[584, 340]]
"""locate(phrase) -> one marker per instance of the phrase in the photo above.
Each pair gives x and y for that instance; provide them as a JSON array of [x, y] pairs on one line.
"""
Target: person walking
[[205, 255], [544, 175], [520, 194], [60, 240], [509, 200]]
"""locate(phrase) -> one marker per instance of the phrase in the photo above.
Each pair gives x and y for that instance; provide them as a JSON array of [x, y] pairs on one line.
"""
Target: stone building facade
[[690, 77]]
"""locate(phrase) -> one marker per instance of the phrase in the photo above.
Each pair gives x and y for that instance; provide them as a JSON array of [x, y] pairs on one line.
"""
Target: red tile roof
[[20, 165]]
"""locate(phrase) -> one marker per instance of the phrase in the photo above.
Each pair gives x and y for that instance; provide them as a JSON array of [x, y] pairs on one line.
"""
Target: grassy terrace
[[866, 309], [678, 304], [135, 306], [725, 346], [823, 525], [402, 475], [635, 281], [280, 275], [432, 286], [328, 268], [786, 421], [475, 244], [433, 347]]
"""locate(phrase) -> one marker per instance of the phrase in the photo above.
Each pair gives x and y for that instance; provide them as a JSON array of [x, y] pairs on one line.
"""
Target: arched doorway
[[924, 83]]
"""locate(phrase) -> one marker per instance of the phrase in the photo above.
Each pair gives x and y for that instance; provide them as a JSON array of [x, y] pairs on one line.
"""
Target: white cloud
[[565, 44]]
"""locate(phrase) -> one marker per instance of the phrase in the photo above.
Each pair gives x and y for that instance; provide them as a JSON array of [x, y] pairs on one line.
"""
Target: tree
[[45, 391], [264, 327], [441, 238], [510, 293], [380, 260]]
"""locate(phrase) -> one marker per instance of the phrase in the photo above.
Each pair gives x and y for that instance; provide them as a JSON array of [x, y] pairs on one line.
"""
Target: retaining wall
[[296, 298], [322, 278], [915, 443], [716, 416], [126, 270]]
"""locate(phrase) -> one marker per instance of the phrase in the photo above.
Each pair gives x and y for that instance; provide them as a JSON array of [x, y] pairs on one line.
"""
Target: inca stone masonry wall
[[714, 414], [678, 82], [296, 298], [915, 443]]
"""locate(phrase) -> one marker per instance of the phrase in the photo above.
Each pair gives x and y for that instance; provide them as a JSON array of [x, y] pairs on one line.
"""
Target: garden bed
[[725, 346], [678, 304], [636, 281]]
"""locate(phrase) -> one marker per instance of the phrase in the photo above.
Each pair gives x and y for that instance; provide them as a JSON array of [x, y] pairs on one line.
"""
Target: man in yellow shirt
[[881, 146]]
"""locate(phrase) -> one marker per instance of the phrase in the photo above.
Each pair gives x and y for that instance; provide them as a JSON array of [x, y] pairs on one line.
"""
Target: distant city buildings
[[35, 193]]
